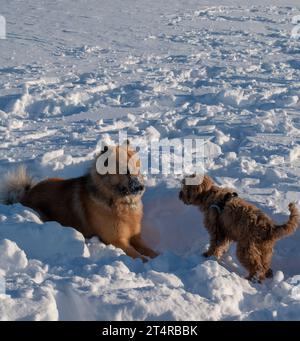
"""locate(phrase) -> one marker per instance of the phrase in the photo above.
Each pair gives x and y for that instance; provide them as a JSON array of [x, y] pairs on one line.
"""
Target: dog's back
[[58, 200], [244, 220]]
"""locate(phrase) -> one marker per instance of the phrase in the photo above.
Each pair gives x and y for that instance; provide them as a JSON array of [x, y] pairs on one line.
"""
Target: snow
[[13, 258], [73, 74]]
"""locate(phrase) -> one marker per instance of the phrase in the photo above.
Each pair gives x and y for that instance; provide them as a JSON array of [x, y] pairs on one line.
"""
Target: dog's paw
[[155, 254], [253, 279], [144, 259]]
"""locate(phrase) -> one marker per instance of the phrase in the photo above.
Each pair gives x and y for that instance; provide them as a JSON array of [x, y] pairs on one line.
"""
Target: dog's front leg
[[138, 243], [218, 241], [217, 248], [128, 249], [210, 225], [221, 247], [211, 250]]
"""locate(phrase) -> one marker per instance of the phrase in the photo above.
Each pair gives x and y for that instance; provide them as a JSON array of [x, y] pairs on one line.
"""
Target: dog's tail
[[290, 226], [15, 185]]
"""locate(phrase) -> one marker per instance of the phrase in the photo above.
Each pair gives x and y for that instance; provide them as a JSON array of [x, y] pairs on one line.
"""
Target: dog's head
[[117, 173], [193, 187]]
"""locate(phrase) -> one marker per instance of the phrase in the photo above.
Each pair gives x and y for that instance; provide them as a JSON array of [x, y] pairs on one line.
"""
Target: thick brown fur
[[96, 205], [239, 221]]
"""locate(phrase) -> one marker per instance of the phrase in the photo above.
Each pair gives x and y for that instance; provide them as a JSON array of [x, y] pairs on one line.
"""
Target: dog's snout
[[141, 187], [135, 185]]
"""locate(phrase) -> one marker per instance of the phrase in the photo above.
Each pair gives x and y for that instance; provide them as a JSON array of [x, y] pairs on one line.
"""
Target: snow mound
[[41, 241], [12, 257], [225, 73]]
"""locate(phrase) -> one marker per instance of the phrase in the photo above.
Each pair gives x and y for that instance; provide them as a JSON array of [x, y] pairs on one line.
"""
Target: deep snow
[[75, 73]]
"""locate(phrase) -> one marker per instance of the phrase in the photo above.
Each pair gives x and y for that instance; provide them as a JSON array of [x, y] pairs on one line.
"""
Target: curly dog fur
[[239, 221]]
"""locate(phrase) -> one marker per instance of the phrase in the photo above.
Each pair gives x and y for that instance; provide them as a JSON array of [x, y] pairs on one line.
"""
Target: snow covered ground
[[73, 73]]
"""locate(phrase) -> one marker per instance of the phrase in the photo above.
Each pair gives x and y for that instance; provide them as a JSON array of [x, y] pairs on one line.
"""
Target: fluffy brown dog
[[108, 206], [229, 218]]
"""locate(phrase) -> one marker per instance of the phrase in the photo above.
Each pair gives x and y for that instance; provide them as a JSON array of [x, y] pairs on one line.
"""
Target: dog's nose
[[137, 188], [140, 188], [135, 185]]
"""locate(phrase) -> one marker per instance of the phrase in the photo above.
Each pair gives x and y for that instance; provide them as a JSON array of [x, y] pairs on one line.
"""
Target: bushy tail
[[14, 186], [290, 226]]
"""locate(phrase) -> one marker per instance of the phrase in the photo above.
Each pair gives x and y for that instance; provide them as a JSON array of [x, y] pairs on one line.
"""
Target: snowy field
[[73, 73]]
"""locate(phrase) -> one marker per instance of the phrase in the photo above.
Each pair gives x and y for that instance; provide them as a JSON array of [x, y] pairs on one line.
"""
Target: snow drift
[[227, 73]]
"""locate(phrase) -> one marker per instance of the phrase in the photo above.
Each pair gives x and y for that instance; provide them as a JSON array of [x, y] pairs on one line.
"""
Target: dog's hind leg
[[138, 243], [250, 257], [266, 256]]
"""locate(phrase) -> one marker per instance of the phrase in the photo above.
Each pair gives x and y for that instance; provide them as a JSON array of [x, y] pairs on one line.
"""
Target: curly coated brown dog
[[229, 218]]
